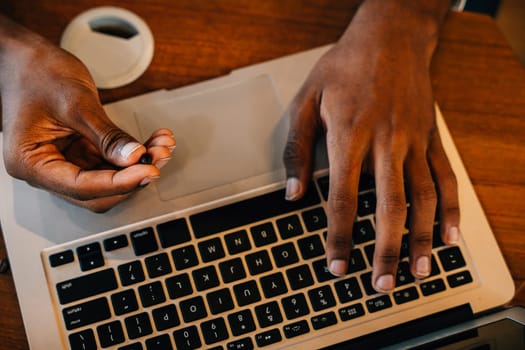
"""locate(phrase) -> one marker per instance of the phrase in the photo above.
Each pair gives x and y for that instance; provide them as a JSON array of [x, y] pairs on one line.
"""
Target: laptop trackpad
[[224, 135]]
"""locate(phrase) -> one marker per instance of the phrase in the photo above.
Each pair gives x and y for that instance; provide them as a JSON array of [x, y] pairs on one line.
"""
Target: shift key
[[86, 286]]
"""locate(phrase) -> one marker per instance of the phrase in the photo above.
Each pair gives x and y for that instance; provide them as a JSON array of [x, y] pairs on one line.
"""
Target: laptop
[[211, 256]]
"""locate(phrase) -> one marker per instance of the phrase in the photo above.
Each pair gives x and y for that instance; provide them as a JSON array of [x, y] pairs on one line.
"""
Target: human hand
[[56, 134], [371, 95]]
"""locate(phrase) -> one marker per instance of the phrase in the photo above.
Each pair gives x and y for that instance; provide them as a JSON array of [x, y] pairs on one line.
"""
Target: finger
[[345, 158], [299, 148], [52, 172], [115, 145], [447, 189], [160, 155], [390, 217], [160, 137], [423, 201]]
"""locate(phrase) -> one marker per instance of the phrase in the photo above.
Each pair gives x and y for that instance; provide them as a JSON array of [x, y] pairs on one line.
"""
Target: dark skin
[[370, 95], [56, 134]]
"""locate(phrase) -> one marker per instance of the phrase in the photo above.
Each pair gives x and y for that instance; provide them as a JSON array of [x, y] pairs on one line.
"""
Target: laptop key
[[83, 340], [158, 265], [311, 247], [432, 287], [357, 262], [232, 270], [403, 276], [348, 290], [179, 286], [211, 249], [90, 256], [268, 314], [241, 344], [184, 257], [258, 262], [162, 342], [366, 204], [321, 298], [110, 334], [247, 293], [173, 233], [124, 302], [273, 285], [289, 226], [459, 279], [86, 313], [214, 331], [405, 295], [205, 278], [321, 271], [193, 309], [268, 338], [220, 301], [143, 241], [86, 286], [324, 320], [363, 232], [116, 242], [285, 254], [451, 258], [241, 322], [187, 338], [295, 306], [61, 258], [377, 304], [237, 242], [296, 329], [151, 294], [314, 219], [131, 273], [165, 317], [138, 325], [299, 277], [350, 312], [263, 234]]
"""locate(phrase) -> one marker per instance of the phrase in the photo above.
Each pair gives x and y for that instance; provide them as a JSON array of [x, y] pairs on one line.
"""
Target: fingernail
[[423, 266], [453, 235], [129, 148], [385, 283], [147, 180], [338, 267], [161, 162], [293, 189]]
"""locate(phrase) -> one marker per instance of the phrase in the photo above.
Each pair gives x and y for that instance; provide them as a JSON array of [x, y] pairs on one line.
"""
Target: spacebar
[[250, 210]]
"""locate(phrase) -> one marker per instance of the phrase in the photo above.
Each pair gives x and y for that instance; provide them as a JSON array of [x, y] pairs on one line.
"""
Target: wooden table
[[478, 81]]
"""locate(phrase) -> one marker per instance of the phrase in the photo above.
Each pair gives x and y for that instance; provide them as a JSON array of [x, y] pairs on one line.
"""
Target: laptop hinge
[[407, 330]]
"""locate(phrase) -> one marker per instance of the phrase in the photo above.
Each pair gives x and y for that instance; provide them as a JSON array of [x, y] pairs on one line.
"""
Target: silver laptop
[[212, 256]]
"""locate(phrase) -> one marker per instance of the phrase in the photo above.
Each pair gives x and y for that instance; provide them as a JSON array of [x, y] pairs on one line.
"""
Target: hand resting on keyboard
[[371, 95]]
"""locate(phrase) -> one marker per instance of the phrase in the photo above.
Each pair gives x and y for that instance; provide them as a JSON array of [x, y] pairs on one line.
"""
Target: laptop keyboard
[[251, 274]]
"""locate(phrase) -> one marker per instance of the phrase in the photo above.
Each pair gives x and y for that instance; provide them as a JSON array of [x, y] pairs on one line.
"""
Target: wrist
[[399, 24]]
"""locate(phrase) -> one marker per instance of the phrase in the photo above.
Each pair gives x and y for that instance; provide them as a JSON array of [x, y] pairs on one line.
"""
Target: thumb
[[299, 149], [114, 144]]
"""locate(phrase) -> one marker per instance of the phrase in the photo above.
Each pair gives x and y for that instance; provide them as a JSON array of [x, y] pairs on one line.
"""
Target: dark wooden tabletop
[[479, 84]]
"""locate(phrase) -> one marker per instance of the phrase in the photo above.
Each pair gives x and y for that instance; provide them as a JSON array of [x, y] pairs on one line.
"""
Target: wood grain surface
[[479, 84]]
